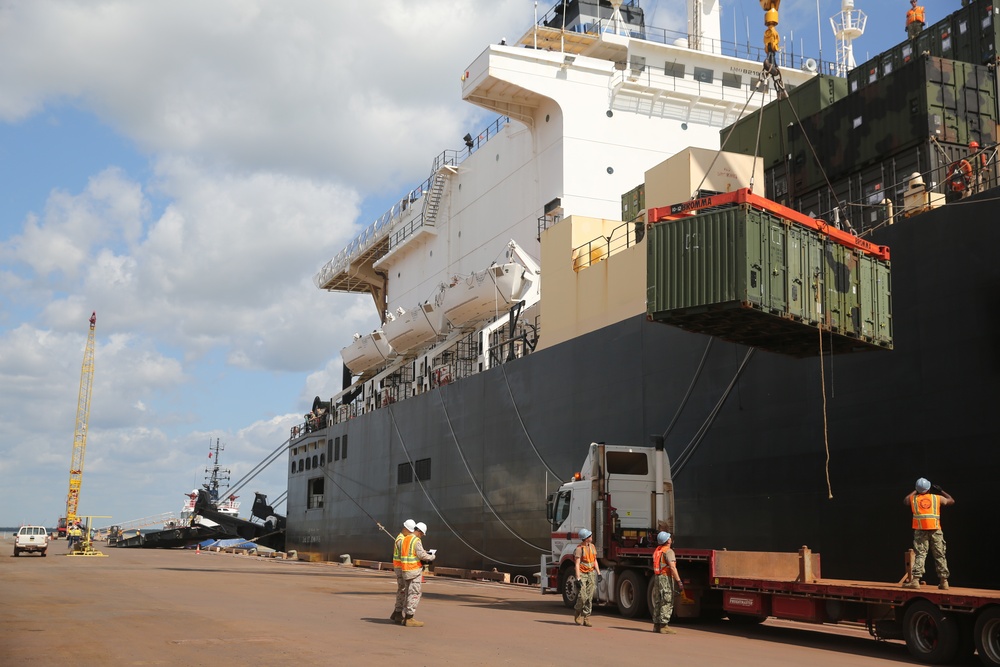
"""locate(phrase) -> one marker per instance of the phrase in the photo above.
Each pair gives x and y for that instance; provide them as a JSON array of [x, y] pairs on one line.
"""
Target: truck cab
[[623, 493]]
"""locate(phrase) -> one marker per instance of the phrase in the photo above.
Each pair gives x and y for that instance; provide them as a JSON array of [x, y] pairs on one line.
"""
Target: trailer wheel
[[567, 586], [631, 595], [931, 635], [987, 635]]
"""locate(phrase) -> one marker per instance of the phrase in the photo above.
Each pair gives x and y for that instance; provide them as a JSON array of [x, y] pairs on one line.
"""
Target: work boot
[[577, 618], [411, 622], [912, 583], [656, 627], [397, 616], [667, 630], [586, 622], [943, 585]]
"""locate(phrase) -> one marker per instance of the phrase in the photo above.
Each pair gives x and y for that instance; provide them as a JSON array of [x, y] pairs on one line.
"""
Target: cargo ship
[[513, 288]]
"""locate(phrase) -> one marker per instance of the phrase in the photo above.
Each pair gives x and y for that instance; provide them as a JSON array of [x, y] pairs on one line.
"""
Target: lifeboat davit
[[413, 327], [366, 352], [483, 295]]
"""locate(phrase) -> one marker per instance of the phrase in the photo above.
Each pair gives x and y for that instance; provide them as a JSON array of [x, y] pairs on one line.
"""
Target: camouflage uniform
[[922, 539], [413, 580], [585, 598]]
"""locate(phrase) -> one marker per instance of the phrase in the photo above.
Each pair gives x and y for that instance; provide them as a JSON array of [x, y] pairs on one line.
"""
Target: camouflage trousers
[[934, 540], [585, 598], [400, 592], [663, 599], [412, 594]]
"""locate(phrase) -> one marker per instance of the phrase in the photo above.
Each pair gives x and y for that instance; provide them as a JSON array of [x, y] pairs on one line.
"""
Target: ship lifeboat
[[366, 352], [413, 327], [483, 295]]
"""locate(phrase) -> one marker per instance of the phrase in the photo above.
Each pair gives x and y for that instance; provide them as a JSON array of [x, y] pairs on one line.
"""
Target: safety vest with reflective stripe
[[408, 560], [915, 14], [588, 558], [926, 511], [660, 563], [396, 550]]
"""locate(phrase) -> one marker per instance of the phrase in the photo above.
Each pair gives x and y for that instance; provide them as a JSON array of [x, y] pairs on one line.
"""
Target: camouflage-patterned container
[[815, 95], [953, 102], [751, 277]]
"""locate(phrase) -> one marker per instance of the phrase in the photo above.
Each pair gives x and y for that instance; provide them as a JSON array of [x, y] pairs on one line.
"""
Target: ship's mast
[[215, 474], [848, 25]]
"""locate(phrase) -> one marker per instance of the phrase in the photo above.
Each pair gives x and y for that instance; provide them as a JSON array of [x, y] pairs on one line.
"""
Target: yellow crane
[[80, 433]]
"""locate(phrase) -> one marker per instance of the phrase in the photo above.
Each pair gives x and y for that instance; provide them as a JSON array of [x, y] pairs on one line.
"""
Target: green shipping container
[[811, 97], [751, 277], [953, 102], [634, 203]]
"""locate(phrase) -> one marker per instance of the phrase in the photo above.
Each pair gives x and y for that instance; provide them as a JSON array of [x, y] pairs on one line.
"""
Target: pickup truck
[[31, 538]]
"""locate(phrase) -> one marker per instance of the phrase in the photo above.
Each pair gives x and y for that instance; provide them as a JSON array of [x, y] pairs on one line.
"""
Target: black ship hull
[[749, 448]]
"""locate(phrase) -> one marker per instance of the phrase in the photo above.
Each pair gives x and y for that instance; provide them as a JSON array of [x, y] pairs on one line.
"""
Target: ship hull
[[798, 452]]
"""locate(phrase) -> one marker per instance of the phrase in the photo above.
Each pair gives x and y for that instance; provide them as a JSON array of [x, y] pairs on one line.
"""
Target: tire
[[17, 552], [44, 553], [630, 594], [987, 636], [931, 635], [567, 586]]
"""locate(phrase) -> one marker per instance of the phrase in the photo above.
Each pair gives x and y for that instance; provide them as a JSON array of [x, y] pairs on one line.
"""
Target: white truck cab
[[624, 494], [31, 538]]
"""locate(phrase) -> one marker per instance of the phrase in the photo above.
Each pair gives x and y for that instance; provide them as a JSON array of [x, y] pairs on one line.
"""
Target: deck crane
[[80, 433]]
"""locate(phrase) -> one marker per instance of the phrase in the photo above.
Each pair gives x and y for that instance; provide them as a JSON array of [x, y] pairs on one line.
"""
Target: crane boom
[[80, 432]]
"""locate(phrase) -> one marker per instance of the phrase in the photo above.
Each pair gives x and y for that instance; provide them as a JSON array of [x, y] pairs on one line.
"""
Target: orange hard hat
[[973, 144]]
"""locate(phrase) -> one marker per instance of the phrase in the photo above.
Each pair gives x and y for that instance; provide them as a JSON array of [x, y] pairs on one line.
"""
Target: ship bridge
[[651, 71]]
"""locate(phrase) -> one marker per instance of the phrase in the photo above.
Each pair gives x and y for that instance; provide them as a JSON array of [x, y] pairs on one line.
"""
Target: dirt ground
[[175, 607]]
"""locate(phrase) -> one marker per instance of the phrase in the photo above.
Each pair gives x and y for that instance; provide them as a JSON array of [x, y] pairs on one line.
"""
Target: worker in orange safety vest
[[914, 20], [927, 534]]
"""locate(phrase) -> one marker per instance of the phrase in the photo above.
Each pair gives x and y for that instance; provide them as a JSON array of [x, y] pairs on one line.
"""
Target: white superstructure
[[586, 108]]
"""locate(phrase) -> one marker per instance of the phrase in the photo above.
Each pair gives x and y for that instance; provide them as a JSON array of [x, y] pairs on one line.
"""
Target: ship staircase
[[432, 200]]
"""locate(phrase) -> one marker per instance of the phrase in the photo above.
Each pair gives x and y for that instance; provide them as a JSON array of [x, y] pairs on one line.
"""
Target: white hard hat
[[410, 525], [422, 527]]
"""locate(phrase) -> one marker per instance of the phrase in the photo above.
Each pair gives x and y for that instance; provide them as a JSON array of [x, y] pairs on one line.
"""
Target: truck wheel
[[631, 594], [43, 553], [17, 552], [931, 635], [567, 586], [987, 635]]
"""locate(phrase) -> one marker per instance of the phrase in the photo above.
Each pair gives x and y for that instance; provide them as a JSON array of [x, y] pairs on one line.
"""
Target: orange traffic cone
[[197, 550]]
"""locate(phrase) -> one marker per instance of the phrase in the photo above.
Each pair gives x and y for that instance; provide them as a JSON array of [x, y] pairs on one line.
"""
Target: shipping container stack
[[911, 110]]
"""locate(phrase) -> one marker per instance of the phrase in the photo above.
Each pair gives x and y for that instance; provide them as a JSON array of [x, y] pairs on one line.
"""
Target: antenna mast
[[848, 25]]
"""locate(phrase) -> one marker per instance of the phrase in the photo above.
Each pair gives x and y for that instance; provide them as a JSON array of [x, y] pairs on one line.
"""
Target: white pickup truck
[[31, 538]]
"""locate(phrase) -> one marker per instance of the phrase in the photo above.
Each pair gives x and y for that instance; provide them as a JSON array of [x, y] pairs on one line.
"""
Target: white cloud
[[265, 126]]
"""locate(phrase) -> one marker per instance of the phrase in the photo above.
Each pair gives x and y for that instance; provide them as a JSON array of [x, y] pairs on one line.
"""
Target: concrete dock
[[176, 607]]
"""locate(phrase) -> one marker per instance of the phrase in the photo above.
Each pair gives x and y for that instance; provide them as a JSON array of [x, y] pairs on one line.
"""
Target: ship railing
[[744, 51], [379, 229], [622, 237], [310, 425]]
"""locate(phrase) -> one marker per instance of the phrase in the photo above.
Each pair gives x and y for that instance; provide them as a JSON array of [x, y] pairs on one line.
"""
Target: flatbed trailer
[[938, 626]]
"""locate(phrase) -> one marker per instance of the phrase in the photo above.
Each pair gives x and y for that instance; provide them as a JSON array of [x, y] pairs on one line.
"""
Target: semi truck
[[624, 494]]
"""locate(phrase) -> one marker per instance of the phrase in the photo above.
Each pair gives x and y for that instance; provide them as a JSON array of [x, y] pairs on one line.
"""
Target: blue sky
[[184, 168]]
